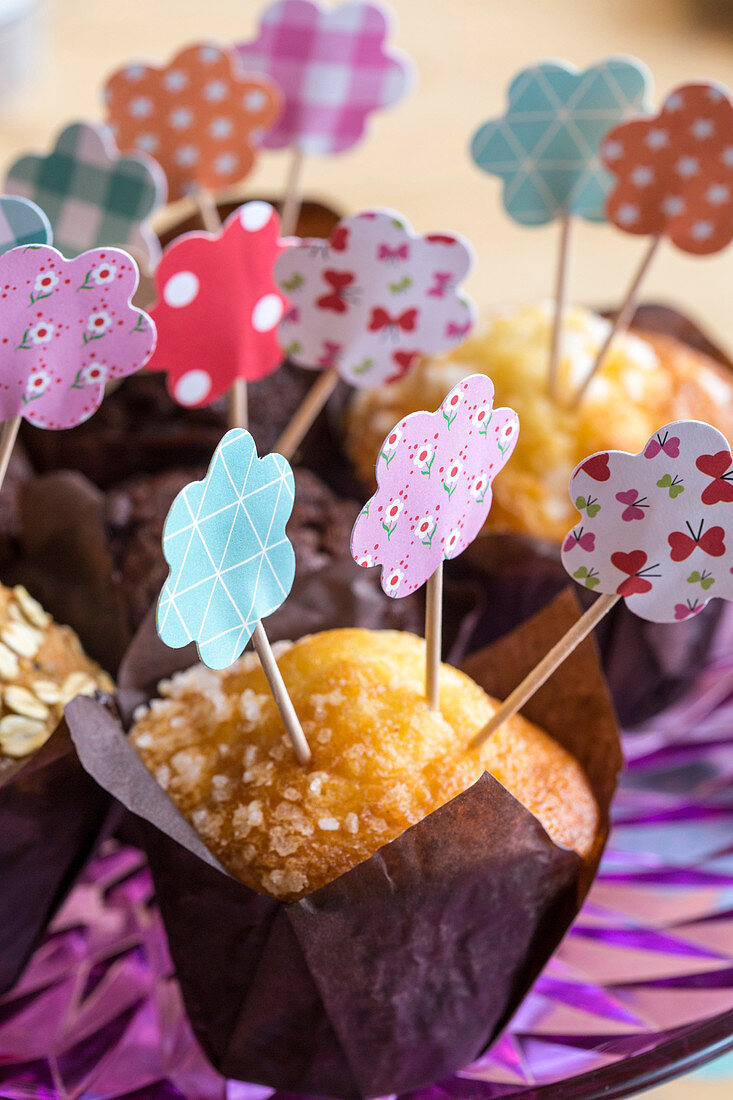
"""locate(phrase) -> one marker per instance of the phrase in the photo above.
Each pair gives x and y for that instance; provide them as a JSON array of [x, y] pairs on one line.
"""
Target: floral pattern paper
[[656, 527], [218, 307], [374, 298], [67, 328], [674, 172], [231, 563], [434, 476]]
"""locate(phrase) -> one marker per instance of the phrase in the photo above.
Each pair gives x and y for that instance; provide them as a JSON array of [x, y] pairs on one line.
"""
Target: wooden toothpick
[[433, 637], [208, 210], [306, 413], [8, 436], [238, 405], [280, 694], [542, 672], [291, 204], [561, 291], [623, 317]]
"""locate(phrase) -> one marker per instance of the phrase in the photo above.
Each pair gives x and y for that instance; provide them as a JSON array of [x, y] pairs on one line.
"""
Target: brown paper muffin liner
[[406, 967]]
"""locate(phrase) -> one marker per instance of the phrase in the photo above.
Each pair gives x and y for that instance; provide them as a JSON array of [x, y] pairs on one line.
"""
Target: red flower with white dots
[[675, 171], [218, 307]]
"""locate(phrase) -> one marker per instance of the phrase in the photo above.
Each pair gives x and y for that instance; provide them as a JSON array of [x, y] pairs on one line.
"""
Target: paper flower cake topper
[[374, 298], [22, 223], [218, 307], [67, 328], [545, 146], [199, 116], [231, 563], [333, 67], [93, 196], [657, 527], [434, 476], [674, 172]]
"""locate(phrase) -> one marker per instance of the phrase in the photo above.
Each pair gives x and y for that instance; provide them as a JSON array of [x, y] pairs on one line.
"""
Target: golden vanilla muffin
[[42, 668], [646, 381], [382, 760]]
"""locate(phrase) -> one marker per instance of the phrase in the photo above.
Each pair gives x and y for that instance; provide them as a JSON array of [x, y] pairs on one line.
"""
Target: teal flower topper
[[545, 147], [231, 563]]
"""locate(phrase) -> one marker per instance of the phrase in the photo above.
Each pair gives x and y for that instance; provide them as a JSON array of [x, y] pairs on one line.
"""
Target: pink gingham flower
[[334, 68], [48, 364], [412, 522]]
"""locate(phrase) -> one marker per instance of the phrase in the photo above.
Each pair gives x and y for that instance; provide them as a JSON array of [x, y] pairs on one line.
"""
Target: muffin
[[382, 760], [42, 667], [646, 380]]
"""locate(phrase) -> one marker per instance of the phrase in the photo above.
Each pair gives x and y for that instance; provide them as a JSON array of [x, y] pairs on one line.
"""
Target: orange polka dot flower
[[199, 116]]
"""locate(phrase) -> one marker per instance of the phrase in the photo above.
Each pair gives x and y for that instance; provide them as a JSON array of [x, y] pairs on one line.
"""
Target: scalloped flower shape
[[22, 223], [68, 327], [231, 563], [218, 306], [200, 116], [545, 146], [434, 477], [374, 298], [333, 67], [92, 194], [656, 527], [674, 172]]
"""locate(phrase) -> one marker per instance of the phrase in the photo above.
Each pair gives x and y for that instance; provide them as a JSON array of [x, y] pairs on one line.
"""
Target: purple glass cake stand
[[640, 990]]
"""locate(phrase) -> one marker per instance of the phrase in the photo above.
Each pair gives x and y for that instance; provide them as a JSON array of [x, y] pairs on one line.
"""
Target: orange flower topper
[[199, 116]]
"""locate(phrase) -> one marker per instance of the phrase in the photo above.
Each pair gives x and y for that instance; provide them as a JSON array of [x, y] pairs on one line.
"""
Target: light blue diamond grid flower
[[545, 147], [231, 563]]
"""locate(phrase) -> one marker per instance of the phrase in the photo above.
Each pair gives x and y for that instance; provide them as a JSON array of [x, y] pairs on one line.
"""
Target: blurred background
[[54, 55], [415, 158]]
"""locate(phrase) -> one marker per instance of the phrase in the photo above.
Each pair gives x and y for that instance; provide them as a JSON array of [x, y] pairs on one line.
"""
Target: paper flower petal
[[334, 68], [22, 223], [545, 146], [231, 563], [67, 328], [374, 297], [199, 116], [93, 196], [434, 476], [674, 172], [656, 527], [218, 306]]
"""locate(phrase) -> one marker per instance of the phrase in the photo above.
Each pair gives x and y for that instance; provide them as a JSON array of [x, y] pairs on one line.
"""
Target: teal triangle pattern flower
[[231, 563], [546, 146]]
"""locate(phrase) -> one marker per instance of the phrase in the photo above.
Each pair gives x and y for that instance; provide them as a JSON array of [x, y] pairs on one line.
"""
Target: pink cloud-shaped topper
[[333, 67], [218, 307], [67, 328], [374, 298], [656, 527], [675, 171], [434, 477]]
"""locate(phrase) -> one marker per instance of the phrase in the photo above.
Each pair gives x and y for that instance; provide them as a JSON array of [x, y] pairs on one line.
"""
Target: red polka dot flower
[[674, 172], [434, 477], [218, 307], [67, 327]]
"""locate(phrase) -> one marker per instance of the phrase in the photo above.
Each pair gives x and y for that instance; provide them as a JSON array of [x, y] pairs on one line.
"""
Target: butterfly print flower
[[719, 467], [666, 522]]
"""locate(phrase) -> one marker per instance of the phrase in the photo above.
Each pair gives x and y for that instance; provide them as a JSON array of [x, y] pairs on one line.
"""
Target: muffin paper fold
[[405, 968]]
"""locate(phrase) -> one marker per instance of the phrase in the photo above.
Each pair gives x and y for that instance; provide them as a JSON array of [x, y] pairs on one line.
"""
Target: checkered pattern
[[546, 146], [22, 223], [92, 195], [231, 563], [333, 69]]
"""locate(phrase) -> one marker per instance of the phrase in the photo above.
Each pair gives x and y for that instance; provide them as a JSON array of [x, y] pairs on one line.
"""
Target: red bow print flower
[[380, 319], [341, 282], [675, 171]]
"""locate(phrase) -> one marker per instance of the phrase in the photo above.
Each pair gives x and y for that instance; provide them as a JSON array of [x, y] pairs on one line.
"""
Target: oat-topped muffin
[[646, 380], [382, 759], [42, 668]]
